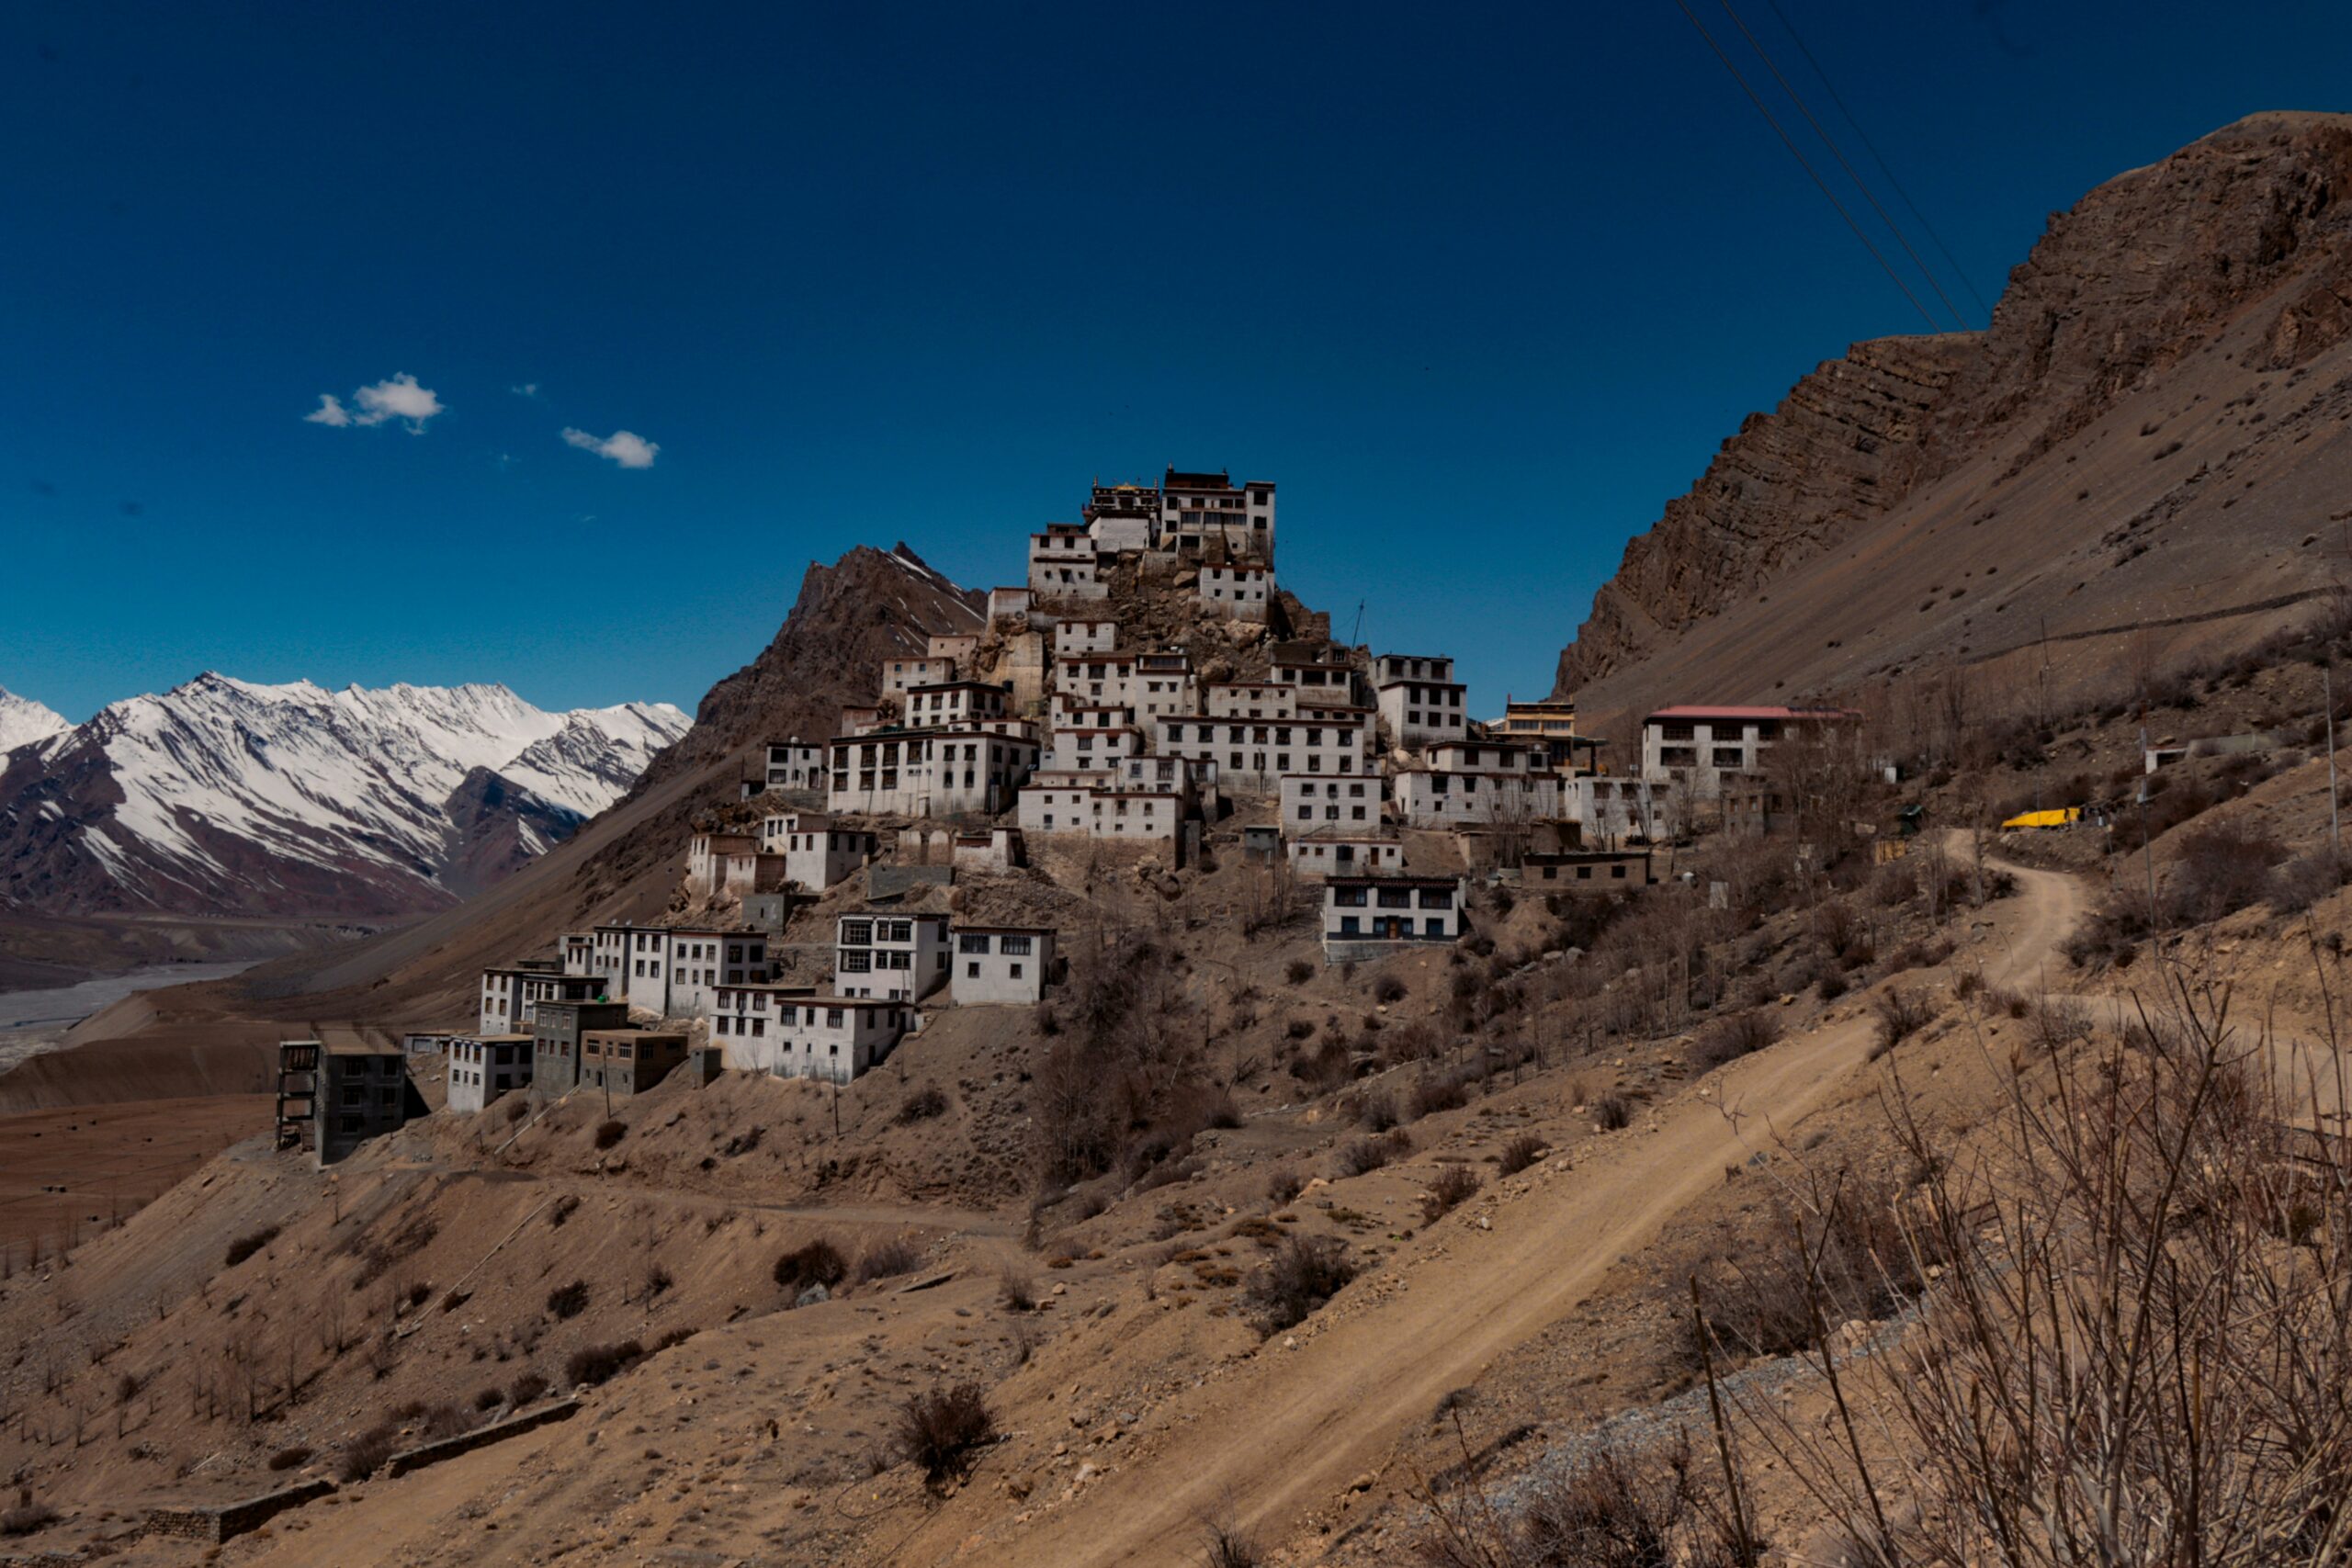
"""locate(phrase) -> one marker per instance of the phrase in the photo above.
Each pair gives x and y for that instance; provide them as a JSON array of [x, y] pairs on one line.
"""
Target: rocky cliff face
[[2246, 235]]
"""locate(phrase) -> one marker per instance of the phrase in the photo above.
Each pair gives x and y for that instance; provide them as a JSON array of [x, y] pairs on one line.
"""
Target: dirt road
[[1287, 1433]]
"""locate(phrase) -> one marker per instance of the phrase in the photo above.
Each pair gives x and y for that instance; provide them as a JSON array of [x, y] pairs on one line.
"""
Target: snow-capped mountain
[[24, 721], [226, 795]]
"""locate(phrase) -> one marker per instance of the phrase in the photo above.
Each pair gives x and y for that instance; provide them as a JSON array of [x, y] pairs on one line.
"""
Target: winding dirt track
[[1285, 1434]]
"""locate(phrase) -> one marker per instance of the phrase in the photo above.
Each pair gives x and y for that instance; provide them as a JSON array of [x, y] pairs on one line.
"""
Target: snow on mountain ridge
[[24, 721], [188, 790]]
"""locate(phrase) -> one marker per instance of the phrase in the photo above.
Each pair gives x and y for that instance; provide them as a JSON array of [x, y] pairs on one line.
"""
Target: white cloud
[[399, 398], [625, 447], [526, 390]]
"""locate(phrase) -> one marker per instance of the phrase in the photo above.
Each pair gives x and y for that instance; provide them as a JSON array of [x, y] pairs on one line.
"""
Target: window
[[1019, 944], [1016, 971], [1437, 897], [972, 971], [969, 943], [1348, 926]]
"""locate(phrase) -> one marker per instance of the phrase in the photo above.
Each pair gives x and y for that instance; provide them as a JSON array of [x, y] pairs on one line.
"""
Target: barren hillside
[[2155, 433]]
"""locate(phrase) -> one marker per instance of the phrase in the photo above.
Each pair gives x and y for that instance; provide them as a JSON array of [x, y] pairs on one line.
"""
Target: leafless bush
[[1900, 1012], [1388, 988], [1283, 1185], [366, 1454], [1303, 1274], [1224, 1544], [2140, 1349], [1520, 1153], [245, 1246], [1017, 1286], [287, 1459], [1432, 1095], [1448, 1189], [887, 1259], [921, 1105], [568, 1301], [610, 1132], [1619, 1508], [942, 1429], [601, 1363], [1299, 971], [1613, 1112], [2220, 869], [1728, 1039], [1376, 1110], [817, 1262], [1365, 1155], [527, 1388]]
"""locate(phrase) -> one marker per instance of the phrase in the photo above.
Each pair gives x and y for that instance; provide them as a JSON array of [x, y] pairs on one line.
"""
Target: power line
[[1876, 157], [1798, 153], [1859, 184]]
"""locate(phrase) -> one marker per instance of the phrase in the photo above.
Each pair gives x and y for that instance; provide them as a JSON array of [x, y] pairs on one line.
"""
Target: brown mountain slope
[[2175, 347]]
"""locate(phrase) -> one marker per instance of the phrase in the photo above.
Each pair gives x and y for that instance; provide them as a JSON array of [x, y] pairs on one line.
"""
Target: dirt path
[[1288, 1431]]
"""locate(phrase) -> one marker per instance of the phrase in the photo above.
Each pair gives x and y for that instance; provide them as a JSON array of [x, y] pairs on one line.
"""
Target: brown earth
[[2174, 348]]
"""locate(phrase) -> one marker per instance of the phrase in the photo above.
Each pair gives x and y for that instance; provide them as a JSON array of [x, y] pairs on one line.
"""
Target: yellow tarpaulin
[[2064, 816]]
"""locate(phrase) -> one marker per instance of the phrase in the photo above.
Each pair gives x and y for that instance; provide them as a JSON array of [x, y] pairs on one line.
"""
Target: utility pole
[[2327, 689]]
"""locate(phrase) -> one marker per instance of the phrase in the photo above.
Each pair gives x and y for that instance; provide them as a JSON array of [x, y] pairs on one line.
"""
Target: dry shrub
[[1375, 1111], [610, 1132], [1388, 988], [1520, 1153], [245, 1246], [2140, 1349], [1298, 971], [1450, 1187], [1618, 1508], [601, 1363], [1017, 1286], [489, 1398], [921, 1105], [527, 1388], [1865, 1246], [1224, 1544], [1434, 1095], [818, 1262], [887, 1259], [1283, 1185], [1301, 1275], [1728, 1039], [1613, 1112], [942, 1429], [366, 1454], [26, 1516], [1365, 1155], [568, 1301], [1899, 1012], [287, 1459]]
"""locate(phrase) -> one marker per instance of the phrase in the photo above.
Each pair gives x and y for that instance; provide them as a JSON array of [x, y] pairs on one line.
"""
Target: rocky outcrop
[[868, 606], [2146, 272]]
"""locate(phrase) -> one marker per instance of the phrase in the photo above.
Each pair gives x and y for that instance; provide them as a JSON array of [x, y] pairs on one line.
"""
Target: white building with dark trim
[[1001, 963], [1366, 915], [880, 955]]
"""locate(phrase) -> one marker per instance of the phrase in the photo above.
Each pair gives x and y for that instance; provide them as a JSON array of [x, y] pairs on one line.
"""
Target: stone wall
[[224, 1521], [417, 1457]]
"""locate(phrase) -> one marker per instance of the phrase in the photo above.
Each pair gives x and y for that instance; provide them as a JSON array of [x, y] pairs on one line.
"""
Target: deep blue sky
[[1481, 288]]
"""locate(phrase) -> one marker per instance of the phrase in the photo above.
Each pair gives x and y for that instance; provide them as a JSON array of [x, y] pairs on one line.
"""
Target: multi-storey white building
[[1421, 699], [1054, 801], [1329, 800], [1063, 565], [483, 1067], [741, 1013], [831, 1039], [695, 961], [707, 856], [1001, 963], [1321, 678], [794, 765], [816, 852], [1105, 680], [1162, 685], [1478, 781], [1199, 508], [1093, 749], [1086, 634], [1118, 811], [1004, 603], [1360, 911], [955, 702], [1250, 699], [511, 994], [1344, 852], [955, 647], [1693, 747], [1241, 592], [897, 956], [1251, 758], [905, 672], [932, 773], [1121, 517], [1619, 810]]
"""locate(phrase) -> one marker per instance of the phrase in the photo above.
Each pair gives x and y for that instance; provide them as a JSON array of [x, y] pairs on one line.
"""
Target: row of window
[[1394, 897]]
